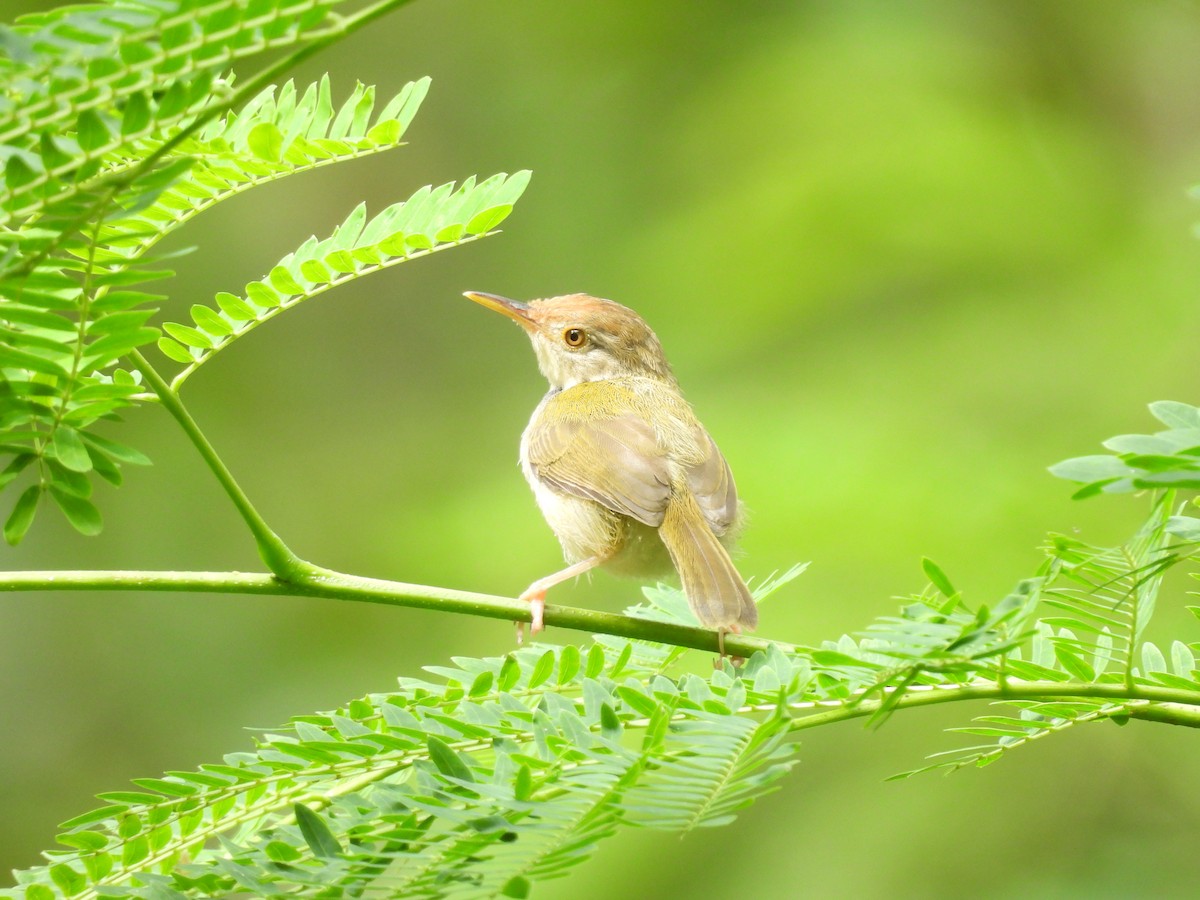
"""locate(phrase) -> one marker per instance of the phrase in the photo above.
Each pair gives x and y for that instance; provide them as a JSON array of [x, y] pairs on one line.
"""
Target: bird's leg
[[535, 594], [721, 632]]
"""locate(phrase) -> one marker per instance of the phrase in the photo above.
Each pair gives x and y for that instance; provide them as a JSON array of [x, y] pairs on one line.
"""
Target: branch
[[1172, 705], [1168, 714], [340, 586], [274, 552]]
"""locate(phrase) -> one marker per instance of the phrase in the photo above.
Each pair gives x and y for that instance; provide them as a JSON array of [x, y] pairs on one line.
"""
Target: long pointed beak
[[514, 309]]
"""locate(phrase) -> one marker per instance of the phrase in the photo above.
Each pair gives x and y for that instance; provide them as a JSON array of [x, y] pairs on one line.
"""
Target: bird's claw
[[537, 611], [719, 662]]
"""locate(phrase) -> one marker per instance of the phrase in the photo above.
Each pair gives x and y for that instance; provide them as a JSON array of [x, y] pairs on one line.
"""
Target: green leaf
[[1074, 664], [1186, 528], [523, 786], [210, 322], [234, 307], [278, 851], [1175, 414], [488, 219], [315, 271], [262, 295], [384, 133], [17, 358], [1091, 469], [16, 466], [22, 514], [510, 673], [281, 279], [1153, 659], [316, 832], [266, 141], [69, 449], [637, 701], [80, 512], [542, 670], [18, 172], [482, 684], [67, 879], [430, 220], [175, 350], [518, 887], [90, 130], [610, 725], [447, 761], [595, 661], [1183, 480], [72, 482], [1183, 661], [136, 115], [1161, 463], [116, 451], [186, 334], [937, 577], [568, 664]]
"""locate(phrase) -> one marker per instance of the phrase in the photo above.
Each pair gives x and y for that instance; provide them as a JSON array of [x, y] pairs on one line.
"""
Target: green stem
[[279, 558], [1171, 705], [1183, 707], [1170, 714], [316, 582]]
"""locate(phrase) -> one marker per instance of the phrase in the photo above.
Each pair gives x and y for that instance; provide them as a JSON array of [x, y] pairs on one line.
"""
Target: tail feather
[[715, 591]]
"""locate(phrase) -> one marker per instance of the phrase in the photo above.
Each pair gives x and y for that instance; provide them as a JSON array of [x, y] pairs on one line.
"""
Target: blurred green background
[[902, 257]]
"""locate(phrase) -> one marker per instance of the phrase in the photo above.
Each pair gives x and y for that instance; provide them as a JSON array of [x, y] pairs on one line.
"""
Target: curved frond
[[279, 133], [497, 774], [1101, 600], [431, 220], [116, 128], [1034, 721], [72, 102], [709, 767]]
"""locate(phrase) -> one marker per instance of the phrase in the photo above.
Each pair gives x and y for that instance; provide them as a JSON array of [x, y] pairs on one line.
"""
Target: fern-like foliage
[[276, 134], [118, 124], [121, 121], [492, 775], [430, 220], [82, 85], [1165, 459], [1100, 600]]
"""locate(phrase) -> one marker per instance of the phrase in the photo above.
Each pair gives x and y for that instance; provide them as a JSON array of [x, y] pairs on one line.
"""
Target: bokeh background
[[902, 256]]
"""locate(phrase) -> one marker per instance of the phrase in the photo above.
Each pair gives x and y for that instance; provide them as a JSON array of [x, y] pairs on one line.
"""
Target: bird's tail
[[715, 591]]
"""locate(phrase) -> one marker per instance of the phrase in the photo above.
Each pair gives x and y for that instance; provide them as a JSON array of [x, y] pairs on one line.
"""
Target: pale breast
[[584, 528]]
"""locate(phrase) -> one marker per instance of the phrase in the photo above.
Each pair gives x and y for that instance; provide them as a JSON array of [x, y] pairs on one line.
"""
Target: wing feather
[[615, 461], [712, 484]]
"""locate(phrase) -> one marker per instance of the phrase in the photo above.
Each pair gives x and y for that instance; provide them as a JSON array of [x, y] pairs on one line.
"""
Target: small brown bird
[[624, 473]]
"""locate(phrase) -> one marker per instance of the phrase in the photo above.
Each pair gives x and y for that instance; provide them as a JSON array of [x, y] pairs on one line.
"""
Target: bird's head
[[580, 338]]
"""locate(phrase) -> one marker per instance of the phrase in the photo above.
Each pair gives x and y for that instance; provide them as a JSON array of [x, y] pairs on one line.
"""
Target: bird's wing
[[712, 483], [614, 461]]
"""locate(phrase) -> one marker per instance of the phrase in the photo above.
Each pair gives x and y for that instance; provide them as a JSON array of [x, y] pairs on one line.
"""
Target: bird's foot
[[719, 662], [537, 609]]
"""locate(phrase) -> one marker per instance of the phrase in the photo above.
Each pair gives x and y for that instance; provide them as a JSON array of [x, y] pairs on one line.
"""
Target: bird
[[624, 473]]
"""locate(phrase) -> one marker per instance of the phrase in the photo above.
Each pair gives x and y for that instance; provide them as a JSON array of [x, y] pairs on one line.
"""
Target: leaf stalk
[[279, 558]]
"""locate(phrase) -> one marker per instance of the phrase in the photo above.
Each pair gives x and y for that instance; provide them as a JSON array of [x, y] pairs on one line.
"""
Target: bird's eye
[[574, 337]]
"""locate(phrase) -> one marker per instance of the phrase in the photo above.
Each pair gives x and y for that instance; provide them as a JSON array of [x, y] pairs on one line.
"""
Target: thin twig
[[341, 586]]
